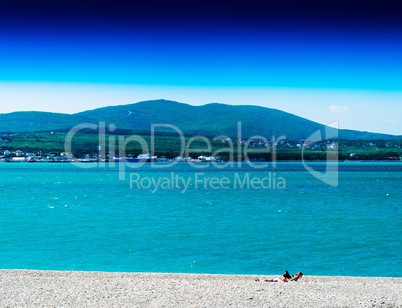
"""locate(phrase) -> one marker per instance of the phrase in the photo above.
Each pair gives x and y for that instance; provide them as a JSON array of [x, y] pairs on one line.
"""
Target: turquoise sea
[[57, 216]]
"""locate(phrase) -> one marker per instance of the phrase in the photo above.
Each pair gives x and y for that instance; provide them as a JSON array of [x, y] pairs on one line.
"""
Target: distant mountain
[[217, 119], [211, 119], [37, 121]]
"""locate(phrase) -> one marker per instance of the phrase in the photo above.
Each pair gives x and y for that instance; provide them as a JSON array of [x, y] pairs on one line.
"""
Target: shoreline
[[223, 162], [110, 289], [180, 273]]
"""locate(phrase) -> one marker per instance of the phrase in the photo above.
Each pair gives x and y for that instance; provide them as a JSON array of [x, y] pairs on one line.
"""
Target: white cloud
[[338, 109]]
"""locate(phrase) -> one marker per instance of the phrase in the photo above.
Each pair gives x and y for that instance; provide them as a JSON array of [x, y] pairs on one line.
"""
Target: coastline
[[203, 162], [116, 289]]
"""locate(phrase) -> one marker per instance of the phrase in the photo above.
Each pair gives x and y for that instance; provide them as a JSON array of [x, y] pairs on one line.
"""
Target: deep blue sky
[[287, 44], [295, 44]]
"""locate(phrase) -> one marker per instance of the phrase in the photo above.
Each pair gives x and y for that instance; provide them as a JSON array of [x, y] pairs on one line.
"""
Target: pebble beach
[[31, 288]]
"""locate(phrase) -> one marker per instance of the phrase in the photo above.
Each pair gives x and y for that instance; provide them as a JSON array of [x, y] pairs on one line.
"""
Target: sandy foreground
[[27, 288]]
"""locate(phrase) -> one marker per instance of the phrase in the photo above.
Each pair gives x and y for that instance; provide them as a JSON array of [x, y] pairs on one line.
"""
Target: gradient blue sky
[[324, 62]]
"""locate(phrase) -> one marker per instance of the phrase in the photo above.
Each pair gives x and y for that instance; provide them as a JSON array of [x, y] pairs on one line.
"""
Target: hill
[[211, 119], [38, 121], [217, 119]]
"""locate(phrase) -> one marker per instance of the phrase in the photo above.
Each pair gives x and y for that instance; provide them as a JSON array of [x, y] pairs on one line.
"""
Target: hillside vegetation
[[210, 120]]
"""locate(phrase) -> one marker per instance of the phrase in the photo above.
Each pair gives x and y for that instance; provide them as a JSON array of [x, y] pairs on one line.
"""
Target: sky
[[322, 60]]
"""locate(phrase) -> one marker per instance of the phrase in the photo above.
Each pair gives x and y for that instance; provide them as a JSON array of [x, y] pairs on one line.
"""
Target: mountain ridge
[[212, 119]]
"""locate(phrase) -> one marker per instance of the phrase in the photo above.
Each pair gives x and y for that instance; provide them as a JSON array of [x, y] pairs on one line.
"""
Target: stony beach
[[31, 288]]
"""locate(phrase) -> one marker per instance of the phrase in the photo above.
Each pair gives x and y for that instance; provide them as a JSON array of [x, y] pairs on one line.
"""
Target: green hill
[[217, 119], [37, 121], [211, 119]]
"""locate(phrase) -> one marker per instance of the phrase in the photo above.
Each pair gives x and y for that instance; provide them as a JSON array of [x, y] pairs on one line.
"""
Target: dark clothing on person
[[286, 275]]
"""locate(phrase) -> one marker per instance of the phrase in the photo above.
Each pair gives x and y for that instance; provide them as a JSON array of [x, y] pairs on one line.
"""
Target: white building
[[206, 158]]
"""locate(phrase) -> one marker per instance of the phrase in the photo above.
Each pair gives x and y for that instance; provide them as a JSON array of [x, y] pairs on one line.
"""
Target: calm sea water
[[60, 217]]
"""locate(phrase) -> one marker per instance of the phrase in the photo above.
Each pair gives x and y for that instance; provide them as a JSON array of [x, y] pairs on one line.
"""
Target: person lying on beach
[[286, 275], [296, 277], [276, 280], [286, 278]]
